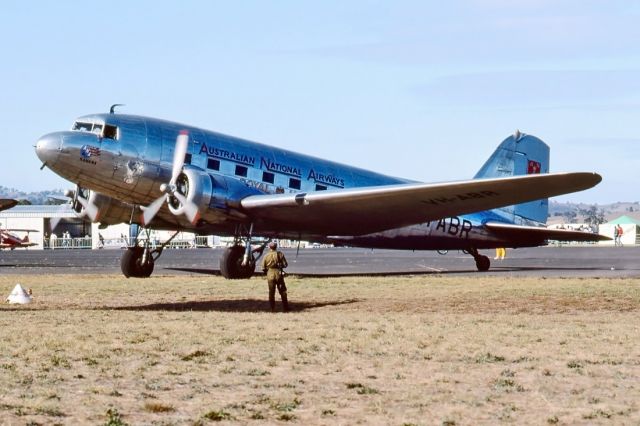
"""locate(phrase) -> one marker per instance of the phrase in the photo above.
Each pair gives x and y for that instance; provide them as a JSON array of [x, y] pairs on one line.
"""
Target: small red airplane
[[8, 240]]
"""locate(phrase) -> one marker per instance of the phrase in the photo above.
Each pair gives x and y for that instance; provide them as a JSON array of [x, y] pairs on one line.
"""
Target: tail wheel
[[483, 263]]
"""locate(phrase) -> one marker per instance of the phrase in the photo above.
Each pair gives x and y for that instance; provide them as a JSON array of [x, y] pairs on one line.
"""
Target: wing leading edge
[[359, 211]]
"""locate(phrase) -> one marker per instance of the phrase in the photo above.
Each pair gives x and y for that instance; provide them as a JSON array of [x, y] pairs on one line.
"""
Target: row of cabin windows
[[267, 177]]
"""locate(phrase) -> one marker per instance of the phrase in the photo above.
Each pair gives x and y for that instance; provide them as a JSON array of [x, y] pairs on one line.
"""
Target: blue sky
[[423, 90]]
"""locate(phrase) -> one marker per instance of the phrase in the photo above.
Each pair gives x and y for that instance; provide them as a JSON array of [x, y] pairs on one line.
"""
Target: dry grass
[[359, 350]]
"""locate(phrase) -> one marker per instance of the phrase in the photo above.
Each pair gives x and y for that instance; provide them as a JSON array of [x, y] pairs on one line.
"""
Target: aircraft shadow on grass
[[229, 305]]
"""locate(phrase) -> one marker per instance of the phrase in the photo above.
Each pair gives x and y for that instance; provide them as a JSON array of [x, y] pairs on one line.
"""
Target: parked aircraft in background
[[9, 240], [165, 175]]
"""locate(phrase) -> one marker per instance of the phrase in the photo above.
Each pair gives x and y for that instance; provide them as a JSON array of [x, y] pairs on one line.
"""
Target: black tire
[[127, 263], [483, 263], [231, 264], [145, 270], [130, 263]]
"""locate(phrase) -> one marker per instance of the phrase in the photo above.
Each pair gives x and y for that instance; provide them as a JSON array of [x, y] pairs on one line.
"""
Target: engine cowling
[[109, 211], [217, 197], [196, 188]]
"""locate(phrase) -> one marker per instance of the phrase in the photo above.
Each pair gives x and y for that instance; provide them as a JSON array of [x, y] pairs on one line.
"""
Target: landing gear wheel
[[231, 266], [132, 266], [483, 263]]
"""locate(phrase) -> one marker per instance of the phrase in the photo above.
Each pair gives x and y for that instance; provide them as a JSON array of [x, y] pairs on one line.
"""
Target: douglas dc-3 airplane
[[165, 175]]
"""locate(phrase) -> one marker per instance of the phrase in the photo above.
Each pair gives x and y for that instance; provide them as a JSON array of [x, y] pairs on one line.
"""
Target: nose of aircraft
[[48, 148]]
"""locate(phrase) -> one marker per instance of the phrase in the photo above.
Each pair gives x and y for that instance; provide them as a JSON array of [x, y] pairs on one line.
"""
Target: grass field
[[358, 350]]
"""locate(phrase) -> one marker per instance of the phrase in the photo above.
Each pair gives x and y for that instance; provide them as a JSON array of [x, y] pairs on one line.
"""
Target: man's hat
[[273, 245]]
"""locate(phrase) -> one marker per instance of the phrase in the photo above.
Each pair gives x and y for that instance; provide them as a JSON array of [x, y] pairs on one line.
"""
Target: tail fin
[[519, 154], [25, 239]]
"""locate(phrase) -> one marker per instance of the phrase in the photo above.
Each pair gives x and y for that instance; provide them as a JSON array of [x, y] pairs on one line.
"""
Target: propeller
[[170, 189], [90, 209]]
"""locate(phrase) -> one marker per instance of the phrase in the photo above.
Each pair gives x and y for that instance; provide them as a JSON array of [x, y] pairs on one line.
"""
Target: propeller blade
[[182, 143], [190, 208], [89, 208], [56, 220], [151, 210]]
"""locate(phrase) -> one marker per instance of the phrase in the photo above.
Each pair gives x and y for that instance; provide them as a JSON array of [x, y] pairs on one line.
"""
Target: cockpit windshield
[[103, 130], [82, 126]]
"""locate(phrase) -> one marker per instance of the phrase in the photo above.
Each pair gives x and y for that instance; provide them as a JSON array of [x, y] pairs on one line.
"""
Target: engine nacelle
[[217, 197], [110, 211]]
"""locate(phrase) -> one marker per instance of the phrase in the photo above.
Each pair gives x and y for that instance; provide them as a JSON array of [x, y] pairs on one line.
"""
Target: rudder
[[519, 154]]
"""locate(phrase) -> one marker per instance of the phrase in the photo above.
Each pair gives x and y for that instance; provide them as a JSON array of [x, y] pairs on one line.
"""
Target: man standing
[[618, 235], [273, 264]]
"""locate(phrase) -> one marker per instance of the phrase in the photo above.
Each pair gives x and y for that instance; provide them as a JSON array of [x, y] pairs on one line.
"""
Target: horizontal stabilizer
[[534, 233], [358, 211]]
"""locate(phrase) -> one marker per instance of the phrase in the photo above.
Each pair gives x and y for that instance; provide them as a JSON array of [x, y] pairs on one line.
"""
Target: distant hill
[[563, 212], [41, 197]]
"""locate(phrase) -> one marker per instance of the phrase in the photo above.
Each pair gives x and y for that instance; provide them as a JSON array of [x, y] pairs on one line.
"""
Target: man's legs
[[282, 289], [272, 295]]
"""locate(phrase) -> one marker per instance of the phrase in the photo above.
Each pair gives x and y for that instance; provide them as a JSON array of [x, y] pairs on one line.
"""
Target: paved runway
[[541, 261]]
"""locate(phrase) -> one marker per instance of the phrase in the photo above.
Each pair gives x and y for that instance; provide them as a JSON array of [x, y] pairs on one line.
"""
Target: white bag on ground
[[19, 295]]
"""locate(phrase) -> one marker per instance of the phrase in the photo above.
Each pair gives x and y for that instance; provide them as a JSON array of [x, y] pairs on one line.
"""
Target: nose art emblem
[[88, 153]]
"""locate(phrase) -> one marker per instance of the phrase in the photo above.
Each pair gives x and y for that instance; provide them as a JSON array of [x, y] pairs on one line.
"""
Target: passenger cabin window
[[110, 132], [187, 158], [321, 188], [241, 171], [268, 177], [294, 183], [213, 164]]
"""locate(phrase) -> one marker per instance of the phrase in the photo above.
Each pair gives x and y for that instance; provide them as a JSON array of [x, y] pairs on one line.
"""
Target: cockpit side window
[[82, 126], [110, 132]]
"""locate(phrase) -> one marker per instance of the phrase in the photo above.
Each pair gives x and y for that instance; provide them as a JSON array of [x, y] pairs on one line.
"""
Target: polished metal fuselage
[[131, 167]]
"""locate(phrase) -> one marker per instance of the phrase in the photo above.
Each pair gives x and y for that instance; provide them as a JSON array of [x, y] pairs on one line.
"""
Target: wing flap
[[365, 210], [528, 233]]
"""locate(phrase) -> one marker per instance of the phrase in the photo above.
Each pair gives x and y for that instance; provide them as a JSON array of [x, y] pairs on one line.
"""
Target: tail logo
[[533, 167]]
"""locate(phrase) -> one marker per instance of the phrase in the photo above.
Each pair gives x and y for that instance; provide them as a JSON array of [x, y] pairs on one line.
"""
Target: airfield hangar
[[59, 227]]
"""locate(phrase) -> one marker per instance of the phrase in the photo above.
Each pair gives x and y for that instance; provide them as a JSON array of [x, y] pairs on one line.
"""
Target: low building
[[68, 229], [59, 227], [630, 230]]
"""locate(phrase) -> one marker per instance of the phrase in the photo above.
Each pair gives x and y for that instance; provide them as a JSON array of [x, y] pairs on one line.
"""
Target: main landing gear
[[482, 262], [138, 260], [238, 261]]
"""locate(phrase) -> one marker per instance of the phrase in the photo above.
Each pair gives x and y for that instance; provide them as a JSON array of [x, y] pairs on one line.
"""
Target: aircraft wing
[[541, 234], [358, 211], [17, 245], [7, 203]]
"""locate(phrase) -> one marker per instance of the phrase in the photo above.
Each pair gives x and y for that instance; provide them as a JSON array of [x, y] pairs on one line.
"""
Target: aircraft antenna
[[112, 110]]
